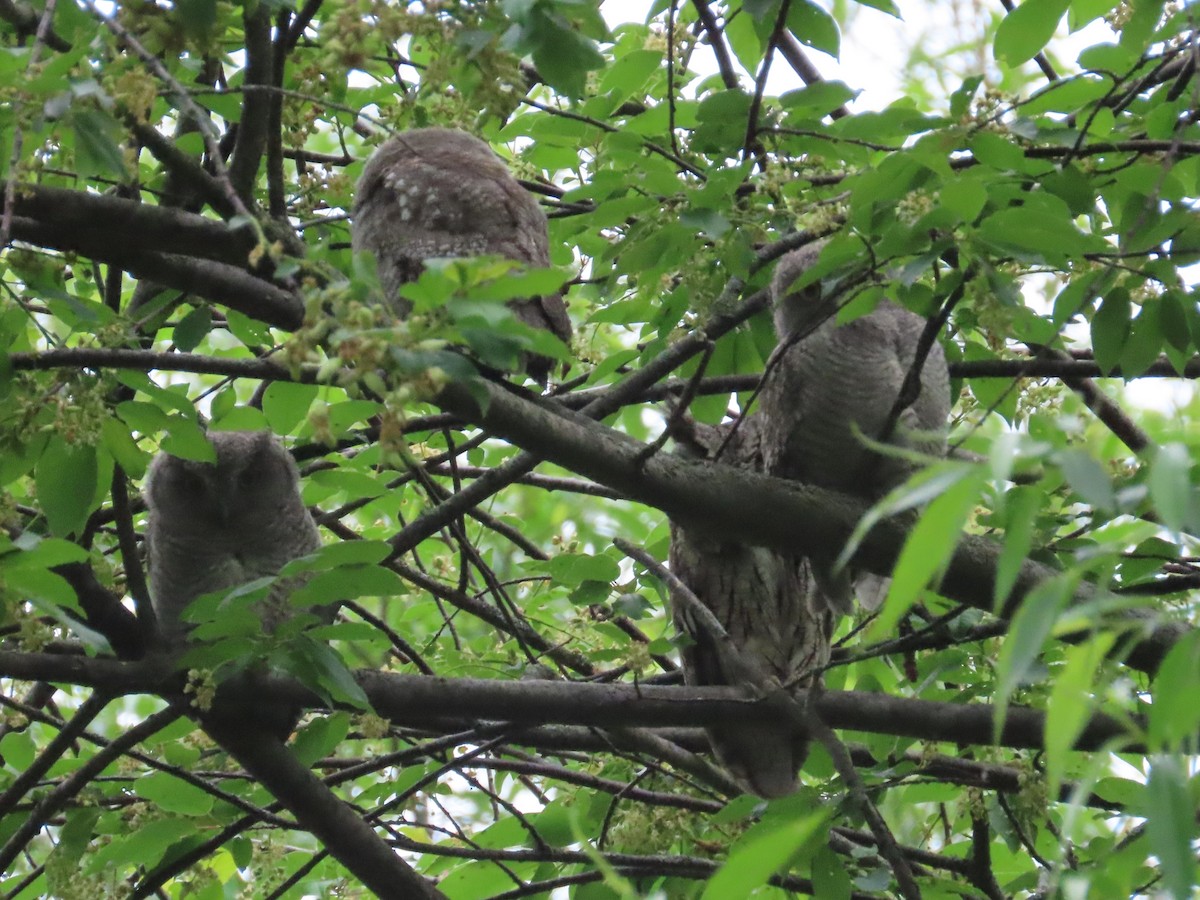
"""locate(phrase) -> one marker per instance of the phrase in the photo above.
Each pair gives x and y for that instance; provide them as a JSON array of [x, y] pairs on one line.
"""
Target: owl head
[[252, 481], [795, 310]]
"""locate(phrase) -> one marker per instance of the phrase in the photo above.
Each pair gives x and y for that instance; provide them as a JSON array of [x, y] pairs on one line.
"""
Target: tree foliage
[[498, 708]]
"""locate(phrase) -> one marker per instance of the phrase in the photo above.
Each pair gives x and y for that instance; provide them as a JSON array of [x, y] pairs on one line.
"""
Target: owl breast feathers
[[838, 384], [776, 620], [439, 192], [214, 526]]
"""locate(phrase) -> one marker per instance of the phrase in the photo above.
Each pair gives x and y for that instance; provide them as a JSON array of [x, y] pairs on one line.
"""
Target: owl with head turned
[[217, 525], [440, 192], [833, 388]]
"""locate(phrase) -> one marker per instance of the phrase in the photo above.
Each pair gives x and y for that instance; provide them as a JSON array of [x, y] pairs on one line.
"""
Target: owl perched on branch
[[779, 626], [215, 526], [838, 384], [219, 525], [440, 192]]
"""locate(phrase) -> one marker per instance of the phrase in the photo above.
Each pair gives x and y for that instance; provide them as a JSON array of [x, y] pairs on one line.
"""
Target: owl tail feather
[[763, 759]]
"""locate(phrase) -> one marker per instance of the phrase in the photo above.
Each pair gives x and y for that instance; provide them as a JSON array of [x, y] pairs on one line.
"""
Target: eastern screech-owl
[[219, 525], [769, 605], [440, 192], [214, 526], [838, 384]]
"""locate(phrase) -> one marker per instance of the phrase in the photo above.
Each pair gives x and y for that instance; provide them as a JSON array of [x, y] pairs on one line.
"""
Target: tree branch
[[256, 105], [146, 226], [215, 281], [760, 509], [422, 699], [340, 830]]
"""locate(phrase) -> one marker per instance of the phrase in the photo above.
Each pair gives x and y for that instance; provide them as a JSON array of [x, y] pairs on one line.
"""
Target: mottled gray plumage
[[440, 192], [839, 379], [216, 526], [780, 629]]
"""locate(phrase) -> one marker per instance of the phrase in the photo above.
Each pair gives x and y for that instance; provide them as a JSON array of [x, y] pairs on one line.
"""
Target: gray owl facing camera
[[440, 192], [776, 619], [214, 526]]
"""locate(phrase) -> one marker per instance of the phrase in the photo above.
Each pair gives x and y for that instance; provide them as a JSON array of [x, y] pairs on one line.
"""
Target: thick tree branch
[[215, 281], [423, 699], [763, 510], [181, 166], [148, 361], [760, 509], [340, 830], [146, 226], [26, 21], [256, 105]]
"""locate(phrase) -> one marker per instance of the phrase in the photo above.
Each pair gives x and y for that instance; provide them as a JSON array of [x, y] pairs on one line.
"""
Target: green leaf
[[814, 27], [628, 75], [123, 448], [187, 440], [344, 553], [1085, 11], [66, 484], [34, 551], [320, 737], [237, 418], [1031, 626], [1027, 29], [1021, 507], [563, 55], [173, 794], [1071, 704], [1145, 342], [965, 196], [575, 568], [334, 680], [348, 583], [144, 845], [192, 328], [818, 99], [1171, 825], [198, 16], [928, 548], [1110, 328], [1087, 478], [1174, 716], [1171, 486], [761, 852], [1043, 230], [996, 151], [97, 143], [17, 750], [887, 6]]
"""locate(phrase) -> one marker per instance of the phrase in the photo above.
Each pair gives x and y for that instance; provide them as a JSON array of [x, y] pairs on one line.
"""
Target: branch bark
[[341, 831], [421, 700], [216, 281], [762, 510]]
